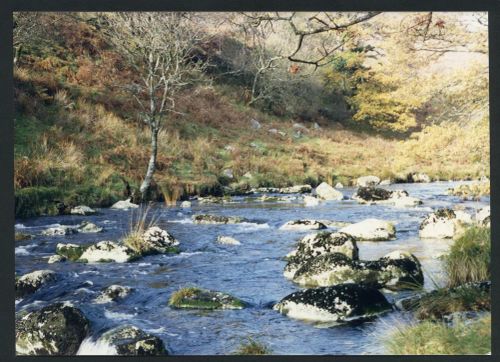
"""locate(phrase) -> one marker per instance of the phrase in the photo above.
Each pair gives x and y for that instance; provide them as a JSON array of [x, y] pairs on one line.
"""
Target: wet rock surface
[[53, 330], [131, 341], [31, 282]]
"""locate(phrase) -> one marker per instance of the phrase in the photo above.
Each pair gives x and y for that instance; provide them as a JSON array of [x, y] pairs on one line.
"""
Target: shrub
[[469, 257], [444, 301], [33, 201], [438, 338], [140, 221]]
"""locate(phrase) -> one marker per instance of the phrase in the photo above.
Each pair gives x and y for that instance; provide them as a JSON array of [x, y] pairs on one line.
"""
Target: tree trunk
[[151, 165]]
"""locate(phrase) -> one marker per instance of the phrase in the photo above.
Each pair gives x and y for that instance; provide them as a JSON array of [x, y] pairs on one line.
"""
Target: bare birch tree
[[162, 49]]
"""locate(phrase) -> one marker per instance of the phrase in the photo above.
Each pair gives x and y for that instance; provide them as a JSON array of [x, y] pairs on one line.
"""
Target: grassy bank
[[78, 139]]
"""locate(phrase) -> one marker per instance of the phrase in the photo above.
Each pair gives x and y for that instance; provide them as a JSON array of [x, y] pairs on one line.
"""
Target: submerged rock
[[441, 224], [196, 298], [113, 293], [60, 230], [217, 219], [227, 240], [107, 251], [124, 205], [132, 341], [340, 303], [57, 329], [371, 230], [314, 245], [326, 192], [303, 225], [366, 181], [82, 210], [31, 282], [395, 271]]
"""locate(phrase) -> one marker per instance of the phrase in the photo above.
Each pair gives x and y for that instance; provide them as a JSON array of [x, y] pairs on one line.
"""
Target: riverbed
[[252, 271]]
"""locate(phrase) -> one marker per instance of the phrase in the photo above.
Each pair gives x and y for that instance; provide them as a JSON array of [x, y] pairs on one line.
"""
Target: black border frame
[[7, 263]]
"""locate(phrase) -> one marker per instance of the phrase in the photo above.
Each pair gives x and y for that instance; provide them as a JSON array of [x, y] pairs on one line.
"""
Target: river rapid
[[252, 271]]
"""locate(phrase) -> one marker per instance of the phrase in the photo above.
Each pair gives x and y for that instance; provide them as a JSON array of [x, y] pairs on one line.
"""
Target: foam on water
[[250, 226], [182, 221], [90, 347], [116, 315]]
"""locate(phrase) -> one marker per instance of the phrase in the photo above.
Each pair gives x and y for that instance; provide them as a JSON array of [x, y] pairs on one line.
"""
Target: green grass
[[469, 257], [430, 338], [252, 347]]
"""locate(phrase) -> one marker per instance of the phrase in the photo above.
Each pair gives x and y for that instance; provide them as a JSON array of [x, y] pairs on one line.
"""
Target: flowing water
[[252, 271]]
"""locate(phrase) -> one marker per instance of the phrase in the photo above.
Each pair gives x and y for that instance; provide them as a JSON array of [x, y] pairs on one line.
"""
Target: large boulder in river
[[314, 245], [395, 271], [107, 251], [132, 341], [31, 282], [366, 181], [217, 219], [82, 210], [371, 230], [124, 205], [113, 293], [340, 303], [303, 225], [326, 192], [57, 329], [441, 224], [197, 298]]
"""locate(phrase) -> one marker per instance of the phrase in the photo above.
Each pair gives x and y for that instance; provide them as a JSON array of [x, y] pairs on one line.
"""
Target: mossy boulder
[[197, 298], [153, 240], [314, 245], [217, 219], [340, 303], [22, 236], [31, 282], [132, 341], [57, 329]]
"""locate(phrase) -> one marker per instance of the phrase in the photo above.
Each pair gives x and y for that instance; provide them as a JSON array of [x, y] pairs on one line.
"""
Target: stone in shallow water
[[82, 210], [441, 224], [366, 181], [158, 241], [124, 205], [217, 219], [311, 201], [107, 251], [303, 225], [371, 230], [340, 303], [60, 230], [70, 251], [131, 341], [57, 329], [56, 259], [113, 293], [227, 240], [326, 192], [197, 298], [31, 282], [88, 227], [185, 204], [397, 270]]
